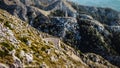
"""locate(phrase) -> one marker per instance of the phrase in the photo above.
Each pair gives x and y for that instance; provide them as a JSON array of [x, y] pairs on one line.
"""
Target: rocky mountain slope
[[23, 46], [92, 31]]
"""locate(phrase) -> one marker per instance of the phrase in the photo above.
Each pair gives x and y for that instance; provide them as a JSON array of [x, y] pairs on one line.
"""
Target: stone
[[17, 62], [54, 58], [43, 65], [22, 53], [29, 57]]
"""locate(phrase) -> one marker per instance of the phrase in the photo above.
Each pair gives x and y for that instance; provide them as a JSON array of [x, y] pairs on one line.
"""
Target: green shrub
[[24, 39], [43, 49], [7, 45], [7, 24]]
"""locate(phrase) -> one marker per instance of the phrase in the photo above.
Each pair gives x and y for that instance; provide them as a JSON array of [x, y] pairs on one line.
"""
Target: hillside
[[21, 45], [93, 29], [58, 34]]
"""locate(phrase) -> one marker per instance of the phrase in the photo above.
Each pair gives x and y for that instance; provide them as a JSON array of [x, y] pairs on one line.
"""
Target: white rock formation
[[22, 53], [29, 57], [17, 61]]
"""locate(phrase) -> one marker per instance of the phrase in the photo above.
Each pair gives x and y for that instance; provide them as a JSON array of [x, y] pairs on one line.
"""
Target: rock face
[[93, 32]]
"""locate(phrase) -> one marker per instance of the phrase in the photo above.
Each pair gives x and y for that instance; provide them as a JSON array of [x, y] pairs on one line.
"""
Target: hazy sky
[[115, 4]]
